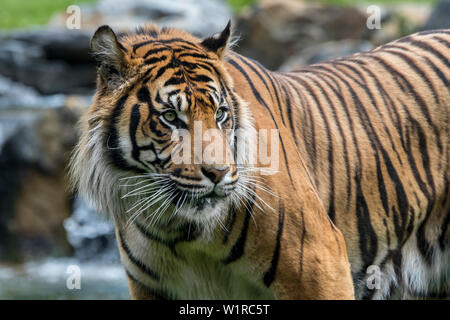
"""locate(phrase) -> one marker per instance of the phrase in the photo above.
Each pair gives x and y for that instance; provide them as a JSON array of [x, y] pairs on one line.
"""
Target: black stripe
[[193, 55], [174, 81], [265, 84], [155, 294], [254, 70], [302, 241], [201, 78], [134, 123], [436, 31], [424, 154], [141, 44], [367, 88], [442, 41], [310, 90], [112, 139], [261, 100], [269, 276], [412, 64], [143, 267], [417, 97], [444, 229], [237, 250], [230, 225], [341, 132], [402, 200], [153, 51], [311, 146], [368, 241], [391, 106], [185, 236], [289, 109], [424, 246], [338, 92], [377, 146], [155, 59], [381, 184], [438, 72], [397, 263], [275, 88]]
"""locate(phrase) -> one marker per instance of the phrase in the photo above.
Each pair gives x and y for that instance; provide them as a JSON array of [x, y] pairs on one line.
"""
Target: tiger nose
[[215, 174]]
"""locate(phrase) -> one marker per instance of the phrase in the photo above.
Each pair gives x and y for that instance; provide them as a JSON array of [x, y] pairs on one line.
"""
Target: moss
[[27, 13]]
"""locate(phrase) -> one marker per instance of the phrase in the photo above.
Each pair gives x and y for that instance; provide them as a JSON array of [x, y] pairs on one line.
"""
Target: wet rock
[[273, 30], [91, 235], [200, 17], [50, 61], [325, 51], [34, 200], [16, 95], [440, 16]]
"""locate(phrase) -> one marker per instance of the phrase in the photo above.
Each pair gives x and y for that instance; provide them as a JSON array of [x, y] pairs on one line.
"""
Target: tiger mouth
[[201, 203], [198, 200]]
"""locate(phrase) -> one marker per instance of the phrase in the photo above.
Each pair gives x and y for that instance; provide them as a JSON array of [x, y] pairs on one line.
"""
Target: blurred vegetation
[[26, 13], [386, 2], [238, 5]]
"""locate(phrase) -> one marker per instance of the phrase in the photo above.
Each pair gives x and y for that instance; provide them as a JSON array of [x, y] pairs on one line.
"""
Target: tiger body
[[373, 129], [363, 145]]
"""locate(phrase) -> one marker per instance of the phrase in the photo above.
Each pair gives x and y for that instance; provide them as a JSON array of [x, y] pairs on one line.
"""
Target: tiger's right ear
[[110, 56]]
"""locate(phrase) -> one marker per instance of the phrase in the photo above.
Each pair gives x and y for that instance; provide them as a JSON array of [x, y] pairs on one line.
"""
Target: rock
[[91, 236], [273, 30], [200, 17], [325, 51], [34, 200], [440, 16], [17, 95], [398, 20], [49, 61], [71, 46]]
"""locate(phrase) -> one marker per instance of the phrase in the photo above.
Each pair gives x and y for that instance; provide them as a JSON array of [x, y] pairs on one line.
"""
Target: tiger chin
[[219, 227]]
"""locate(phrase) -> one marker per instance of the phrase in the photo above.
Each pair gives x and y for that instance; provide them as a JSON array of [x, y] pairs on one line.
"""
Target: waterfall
[[91, 236]]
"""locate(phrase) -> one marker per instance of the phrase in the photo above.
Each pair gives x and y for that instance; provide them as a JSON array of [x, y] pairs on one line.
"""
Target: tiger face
[[164, 121], [170, 123]]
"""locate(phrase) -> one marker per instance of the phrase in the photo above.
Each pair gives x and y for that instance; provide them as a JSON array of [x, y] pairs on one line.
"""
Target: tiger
[[358, 206]]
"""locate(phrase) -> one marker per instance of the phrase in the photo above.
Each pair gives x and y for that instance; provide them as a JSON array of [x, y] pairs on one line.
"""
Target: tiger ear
[[109, 54], [218, 43]]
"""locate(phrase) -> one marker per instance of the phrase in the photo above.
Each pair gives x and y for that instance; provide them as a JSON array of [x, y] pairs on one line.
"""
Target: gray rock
[[48, 60], [200, 17], [53, 44], [34, 199], [440, 16], [272, 31], [91, 236], [17, 95], [325, 51]]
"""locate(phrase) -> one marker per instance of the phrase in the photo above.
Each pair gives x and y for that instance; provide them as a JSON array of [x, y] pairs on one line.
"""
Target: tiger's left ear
[[110, 55], [218, 43]]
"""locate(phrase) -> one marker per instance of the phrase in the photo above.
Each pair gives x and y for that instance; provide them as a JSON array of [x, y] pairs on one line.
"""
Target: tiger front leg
[[314, 270], [312, 256]]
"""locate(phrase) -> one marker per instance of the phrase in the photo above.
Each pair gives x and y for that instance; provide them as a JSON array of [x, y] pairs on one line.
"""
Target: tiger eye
[[220, 114], [170, 116]]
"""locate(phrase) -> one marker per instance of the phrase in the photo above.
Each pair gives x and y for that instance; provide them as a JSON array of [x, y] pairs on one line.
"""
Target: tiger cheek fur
[[362, 178]]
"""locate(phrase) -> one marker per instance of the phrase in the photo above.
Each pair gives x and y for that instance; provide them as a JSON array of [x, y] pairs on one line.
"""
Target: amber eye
[[170, 116], [221, 114]]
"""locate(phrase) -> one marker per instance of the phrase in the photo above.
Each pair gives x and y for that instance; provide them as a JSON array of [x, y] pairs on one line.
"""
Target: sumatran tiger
[[356, 207]]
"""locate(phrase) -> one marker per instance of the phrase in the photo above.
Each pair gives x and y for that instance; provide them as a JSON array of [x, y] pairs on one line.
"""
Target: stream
[[96, 261]]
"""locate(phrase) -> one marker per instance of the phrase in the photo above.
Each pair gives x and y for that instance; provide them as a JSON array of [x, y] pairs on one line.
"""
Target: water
[[95, 256], [48, 279]]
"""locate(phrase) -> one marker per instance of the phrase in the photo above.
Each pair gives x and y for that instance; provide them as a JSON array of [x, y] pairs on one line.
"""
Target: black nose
[[215, 174]]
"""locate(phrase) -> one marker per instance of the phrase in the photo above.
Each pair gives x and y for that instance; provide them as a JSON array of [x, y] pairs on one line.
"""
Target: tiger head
[[160, 139]]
